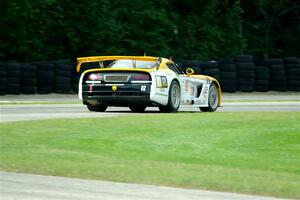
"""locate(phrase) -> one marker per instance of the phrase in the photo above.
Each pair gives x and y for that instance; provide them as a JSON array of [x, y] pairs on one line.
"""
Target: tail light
[[94, 77], [141, 77]]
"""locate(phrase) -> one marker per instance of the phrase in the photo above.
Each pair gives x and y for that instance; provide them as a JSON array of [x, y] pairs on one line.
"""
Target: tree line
[[185, 29]]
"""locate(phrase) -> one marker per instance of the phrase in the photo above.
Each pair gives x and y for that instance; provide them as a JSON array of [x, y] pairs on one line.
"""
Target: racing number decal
[[143, 88]]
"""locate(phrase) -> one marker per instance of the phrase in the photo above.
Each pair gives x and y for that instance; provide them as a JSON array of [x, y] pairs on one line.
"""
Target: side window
[[174, 68], [179, 69]]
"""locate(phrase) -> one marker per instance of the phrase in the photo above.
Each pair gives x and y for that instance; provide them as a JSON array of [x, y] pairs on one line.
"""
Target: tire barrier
[[75, 77], [228, 74], [292, 66], [239, 73], [63, 77], [13, 72], [3, 80], [45, 77], [277, 74], [248, 73], [211, 68], [38, 77], [196, 65], [245, 69], [262, 75], [28, 78]]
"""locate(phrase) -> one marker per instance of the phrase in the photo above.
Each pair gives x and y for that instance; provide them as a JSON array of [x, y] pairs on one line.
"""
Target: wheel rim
[[175, 95], [213, 100]]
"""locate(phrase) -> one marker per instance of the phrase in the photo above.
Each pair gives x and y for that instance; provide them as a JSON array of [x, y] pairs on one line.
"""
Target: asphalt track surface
[[23, 186], [232, 102], [46, 111]]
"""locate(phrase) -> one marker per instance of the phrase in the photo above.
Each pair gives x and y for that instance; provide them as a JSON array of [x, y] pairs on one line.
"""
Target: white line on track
[[25, 186], [10, 113]]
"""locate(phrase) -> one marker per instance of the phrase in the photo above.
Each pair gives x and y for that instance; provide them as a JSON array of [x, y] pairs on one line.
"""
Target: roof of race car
[[82, 60]]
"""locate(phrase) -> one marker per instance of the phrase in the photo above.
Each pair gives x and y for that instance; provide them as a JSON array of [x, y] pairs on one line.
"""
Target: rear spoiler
[[82, 60]]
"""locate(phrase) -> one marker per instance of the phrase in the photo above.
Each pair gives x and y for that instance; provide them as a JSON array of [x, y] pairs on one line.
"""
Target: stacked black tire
[[28, 78], [75, 77], [277, 74], [245, 73], [63, 77], [228, 74], [196, 65], [13, 71], [292, 65], [211, 68], [241, 73], [3, 79], [45, 77], [262, 76]]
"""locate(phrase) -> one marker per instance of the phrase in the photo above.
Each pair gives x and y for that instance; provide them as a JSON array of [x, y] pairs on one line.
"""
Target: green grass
[[253, 153]]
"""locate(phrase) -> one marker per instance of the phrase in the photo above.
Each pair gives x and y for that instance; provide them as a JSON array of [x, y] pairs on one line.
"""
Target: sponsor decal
[[186, 86], [114, 88], [164, 82], [192, 92], [197, 101], [143, 88], [158, 82], [161, 81], [161, 94], [205, 91]]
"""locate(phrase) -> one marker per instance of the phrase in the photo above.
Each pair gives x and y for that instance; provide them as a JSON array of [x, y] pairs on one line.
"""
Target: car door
[[187, 85]]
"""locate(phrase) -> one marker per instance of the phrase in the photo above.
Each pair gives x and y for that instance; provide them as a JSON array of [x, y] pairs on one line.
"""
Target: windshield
[[132, 64]]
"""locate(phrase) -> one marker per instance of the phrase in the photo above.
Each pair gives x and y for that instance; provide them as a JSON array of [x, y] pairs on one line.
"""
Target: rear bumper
[[123, 95], [118, 100]]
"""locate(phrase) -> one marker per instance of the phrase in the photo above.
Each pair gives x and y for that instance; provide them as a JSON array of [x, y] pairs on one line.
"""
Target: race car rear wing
[[82, 60]]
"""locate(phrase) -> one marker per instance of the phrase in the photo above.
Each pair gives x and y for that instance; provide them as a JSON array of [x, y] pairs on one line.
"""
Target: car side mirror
[[189, 71]]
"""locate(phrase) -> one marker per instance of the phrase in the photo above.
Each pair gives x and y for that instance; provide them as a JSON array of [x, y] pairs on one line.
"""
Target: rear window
[[132, 64]]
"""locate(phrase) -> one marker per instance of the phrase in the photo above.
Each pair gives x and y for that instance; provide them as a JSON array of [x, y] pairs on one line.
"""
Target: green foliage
[[233, 41], [272, 27], [191, 29], [212, 33]]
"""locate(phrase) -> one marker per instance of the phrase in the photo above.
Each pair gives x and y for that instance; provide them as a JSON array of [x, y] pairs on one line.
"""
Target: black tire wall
[[244, 73]]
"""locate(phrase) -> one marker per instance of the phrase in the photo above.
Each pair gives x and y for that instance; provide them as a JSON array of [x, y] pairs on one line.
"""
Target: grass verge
[[254, 153]]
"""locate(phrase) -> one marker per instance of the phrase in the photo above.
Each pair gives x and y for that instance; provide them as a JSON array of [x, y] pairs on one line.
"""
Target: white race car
[[142, 81]]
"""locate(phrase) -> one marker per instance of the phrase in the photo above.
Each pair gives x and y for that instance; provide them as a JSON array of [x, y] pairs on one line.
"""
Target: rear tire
[[96, 108], [174, 99], [213, 99]]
